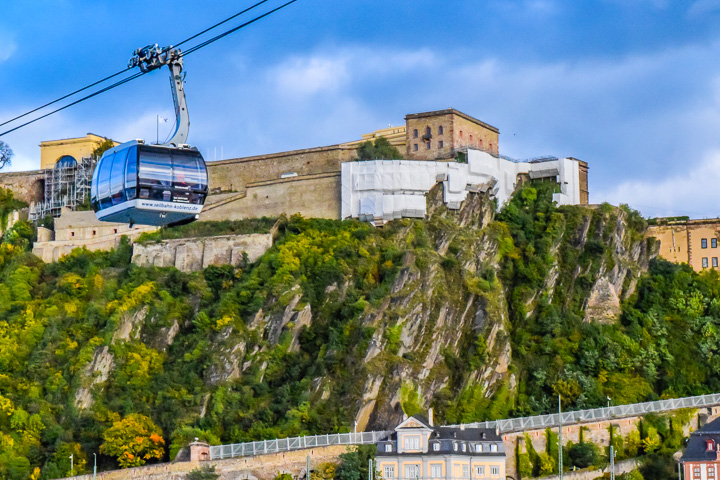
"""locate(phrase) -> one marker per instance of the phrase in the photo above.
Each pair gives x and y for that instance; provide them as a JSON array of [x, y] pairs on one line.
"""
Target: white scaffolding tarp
[[382, 190]]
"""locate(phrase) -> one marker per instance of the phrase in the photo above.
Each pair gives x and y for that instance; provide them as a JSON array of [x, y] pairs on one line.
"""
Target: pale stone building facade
[[419, 450], [695, 242]]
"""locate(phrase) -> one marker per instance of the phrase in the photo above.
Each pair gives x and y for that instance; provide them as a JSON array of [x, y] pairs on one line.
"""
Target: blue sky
[[630, 86]]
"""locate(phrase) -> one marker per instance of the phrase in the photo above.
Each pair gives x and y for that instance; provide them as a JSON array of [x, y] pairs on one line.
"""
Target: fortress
[[445, 146]]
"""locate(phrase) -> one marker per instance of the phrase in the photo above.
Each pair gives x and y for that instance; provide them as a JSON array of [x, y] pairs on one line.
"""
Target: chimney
[[430, 417]]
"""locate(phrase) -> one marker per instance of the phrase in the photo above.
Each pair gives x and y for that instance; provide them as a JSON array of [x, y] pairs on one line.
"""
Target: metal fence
[[504, 426], [597, 414], [294, 443]]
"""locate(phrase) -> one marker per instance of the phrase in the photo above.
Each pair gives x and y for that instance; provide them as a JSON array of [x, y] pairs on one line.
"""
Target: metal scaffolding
[[65, 186]]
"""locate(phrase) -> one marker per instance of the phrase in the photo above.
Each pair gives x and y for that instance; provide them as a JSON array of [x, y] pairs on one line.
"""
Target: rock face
[[439, 332], [193, 254]]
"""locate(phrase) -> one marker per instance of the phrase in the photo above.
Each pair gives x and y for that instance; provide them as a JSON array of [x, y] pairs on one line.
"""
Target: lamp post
[[95, 466], [72, 469], [608, 399], [560, 445]]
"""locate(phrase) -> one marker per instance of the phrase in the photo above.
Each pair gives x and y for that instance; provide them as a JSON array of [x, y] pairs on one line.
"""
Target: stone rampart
[[193, 254], [236, 174], [596, 432], [313, 196], [263, 467], [26, 186], [52, 251]]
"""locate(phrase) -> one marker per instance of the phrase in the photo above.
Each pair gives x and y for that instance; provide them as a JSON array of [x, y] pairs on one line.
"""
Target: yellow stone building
[[68, 149], [418, 450], [395, 135], [694, 242]]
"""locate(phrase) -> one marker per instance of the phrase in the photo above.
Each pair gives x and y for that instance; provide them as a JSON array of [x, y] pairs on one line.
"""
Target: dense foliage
[[666, 343], [211, 229], [92, 339], [379, 149]]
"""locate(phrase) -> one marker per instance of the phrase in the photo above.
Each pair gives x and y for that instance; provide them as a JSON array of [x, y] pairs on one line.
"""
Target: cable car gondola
[[158, 185], [143, 184]]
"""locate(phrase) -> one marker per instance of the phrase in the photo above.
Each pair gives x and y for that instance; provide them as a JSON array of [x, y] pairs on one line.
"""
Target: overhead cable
[[116, 84], [232, 30], [220, 23], [65, 96], [133, 77]]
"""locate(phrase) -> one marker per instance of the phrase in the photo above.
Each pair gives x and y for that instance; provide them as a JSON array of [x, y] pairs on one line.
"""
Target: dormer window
[[464, 447], [493, 447], [388, 448], [710, 446], [478, 447], [436, 447], [455, 446], [412, 443]]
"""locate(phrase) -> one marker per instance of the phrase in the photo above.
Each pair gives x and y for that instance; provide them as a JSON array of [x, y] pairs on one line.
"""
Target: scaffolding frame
[[65, 186]]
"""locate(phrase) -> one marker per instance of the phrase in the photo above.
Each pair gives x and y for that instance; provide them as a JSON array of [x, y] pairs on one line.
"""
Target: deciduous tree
[[5, 155], [133, 440]]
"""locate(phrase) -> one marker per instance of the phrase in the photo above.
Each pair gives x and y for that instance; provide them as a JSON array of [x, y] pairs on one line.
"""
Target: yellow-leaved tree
[[133, 440]]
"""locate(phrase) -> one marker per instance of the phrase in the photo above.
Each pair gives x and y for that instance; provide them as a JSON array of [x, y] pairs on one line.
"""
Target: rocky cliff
[[480, 315]]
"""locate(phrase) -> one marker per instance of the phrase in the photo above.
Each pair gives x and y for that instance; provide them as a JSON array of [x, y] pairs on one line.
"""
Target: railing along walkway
[[504, 426], [596, 414], [294, 443]]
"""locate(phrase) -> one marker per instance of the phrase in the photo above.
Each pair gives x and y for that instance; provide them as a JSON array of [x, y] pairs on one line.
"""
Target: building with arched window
[[63, 152]]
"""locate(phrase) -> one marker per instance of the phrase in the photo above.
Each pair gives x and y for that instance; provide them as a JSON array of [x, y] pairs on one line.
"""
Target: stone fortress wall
[[305, 181], [267, 467]]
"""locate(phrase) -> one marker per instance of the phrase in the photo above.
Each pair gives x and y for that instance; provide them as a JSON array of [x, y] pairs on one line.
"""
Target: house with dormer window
[[418, 450], [701, 458]]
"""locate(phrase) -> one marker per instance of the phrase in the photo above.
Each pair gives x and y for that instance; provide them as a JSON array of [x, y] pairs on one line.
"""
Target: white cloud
[[703, 7], [692, 192], [7, 46], [308, 76]]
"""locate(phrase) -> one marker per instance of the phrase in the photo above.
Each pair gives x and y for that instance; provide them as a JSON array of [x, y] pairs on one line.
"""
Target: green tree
[[206, 472], [133, 440], [106, 144], [584, 454], [380, 150], [354, 464]]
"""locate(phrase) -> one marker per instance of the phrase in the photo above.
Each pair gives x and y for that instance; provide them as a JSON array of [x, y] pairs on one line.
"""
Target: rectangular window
[[436, 470], [480, 471], [466, 471], [440, 130], [493, 447], [713, 242], [427, 145], [715, 262], [494, 470], [436, 447], [388, 448], [412, 471], [412, 443], [704, 262], [478, 447], [464, 447], [703, 243], [440, 144], [388, 471], [415, 147]]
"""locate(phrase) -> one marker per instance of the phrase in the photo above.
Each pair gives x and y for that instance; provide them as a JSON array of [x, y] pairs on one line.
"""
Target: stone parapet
[[261, 467], [194, 254]]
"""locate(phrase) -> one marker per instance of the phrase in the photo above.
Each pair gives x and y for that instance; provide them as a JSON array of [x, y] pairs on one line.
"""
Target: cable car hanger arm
[[153, 57]]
